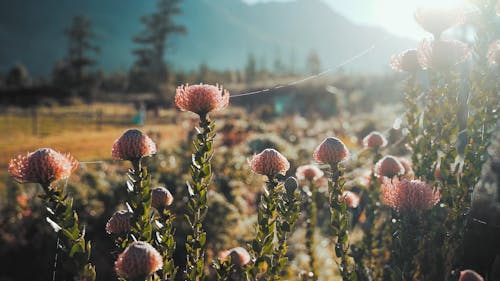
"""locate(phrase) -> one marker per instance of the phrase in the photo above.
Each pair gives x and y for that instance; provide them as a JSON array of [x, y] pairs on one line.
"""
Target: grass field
[[67, 129]]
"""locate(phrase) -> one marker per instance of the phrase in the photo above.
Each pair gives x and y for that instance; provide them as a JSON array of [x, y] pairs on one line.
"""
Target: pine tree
[[80, 36], [150, 68]]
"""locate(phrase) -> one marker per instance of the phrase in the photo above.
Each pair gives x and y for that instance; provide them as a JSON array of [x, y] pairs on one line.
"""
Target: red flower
[[138, 261], [43, 166], [309, 172], [409, 195], [437, 19], [269, 163], [441, 55], [374, 140], [201, 99], [388, 166], [119, 222], [161, 198], [406, 61], [470, 275], [331, 151], [133, 145], [239, 256]]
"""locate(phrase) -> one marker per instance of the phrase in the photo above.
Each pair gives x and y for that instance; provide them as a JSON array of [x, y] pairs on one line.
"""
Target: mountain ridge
[[221, 34]]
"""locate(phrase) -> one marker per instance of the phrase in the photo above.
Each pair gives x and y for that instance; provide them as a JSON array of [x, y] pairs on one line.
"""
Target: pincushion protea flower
[[352, 199], [406, 61], [389, 166], [494, 52], [161, 198], [133, 145], [441, 55], [42, 166], [138, 261], [437, 19], [309, 172], [469, 275], [201, 99], [269, 163], [119, 222], [374, 140], [239, 256], [331, 151], [409, 195]]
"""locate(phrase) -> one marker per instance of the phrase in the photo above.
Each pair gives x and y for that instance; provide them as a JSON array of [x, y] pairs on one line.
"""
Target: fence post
[[34, 121], [99, 120]]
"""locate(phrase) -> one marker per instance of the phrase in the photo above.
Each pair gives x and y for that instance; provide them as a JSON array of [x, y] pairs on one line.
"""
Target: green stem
[[310, 229], [201, 173], [77, 251], [139, 203], [340, 222], [165, 242]]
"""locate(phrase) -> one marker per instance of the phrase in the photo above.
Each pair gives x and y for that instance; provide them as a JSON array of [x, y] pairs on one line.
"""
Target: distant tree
[[279, 67], [18, 77], [251, 69], [313, 63], [150, 68], [203, 73], [80, 44]]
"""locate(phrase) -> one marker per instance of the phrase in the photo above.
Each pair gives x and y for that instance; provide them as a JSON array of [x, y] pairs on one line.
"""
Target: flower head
[[409, 195], [161, 198], [239, 256], [406, 61], [494, 52], [441, 55], [42, 166], [374, 140], [138, 261], [291, 184], [201, 99], [469, 275], [352, 199], [331, 151], [437, 19], [309, 172], [269, 163], [133, 145], [119, 222], [389, 166]]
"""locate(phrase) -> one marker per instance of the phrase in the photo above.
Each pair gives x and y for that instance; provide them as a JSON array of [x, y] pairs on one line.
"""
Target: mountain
[[221, 34]]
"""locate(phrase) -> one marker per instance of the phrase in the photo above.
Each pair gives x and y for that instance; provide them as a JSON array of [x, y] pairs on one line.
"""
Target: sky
[[396, 16]]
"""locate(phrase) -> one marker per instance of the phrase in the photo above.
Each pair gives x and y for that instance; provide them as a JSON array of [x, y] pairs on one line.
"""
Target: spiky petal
[[409, 195], [269, 163], [201, 99], [43, 166], [331, 151]]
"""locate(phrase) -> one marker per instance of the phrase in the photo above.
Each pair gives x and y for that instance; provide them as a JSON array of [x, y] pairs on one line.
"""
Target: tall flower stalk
[[133, 146], [46, 166], [200, 99], [332, 151], [268, 256], [310, 174]]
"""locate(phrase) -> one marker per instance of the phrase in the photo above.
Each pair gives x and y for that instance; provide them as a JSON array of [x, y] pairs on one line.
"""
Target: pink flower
[[42, 166], [133, 145], [406, 61], [407, 166], [269, 163], [441, 55], [331, 151], [409, 195], [494, 52], [119, 222], [309, 172], [138, 261], [389, 166], [374, 140], [239, 256], [469, 275], [201, 99], [437, 19], [161, 198], [352, 199]]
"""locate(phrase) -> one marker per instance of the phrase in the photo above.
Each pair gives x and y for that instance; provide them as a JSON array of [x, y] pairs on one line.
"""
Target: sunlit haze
[[396, 16]]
